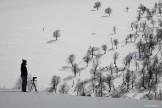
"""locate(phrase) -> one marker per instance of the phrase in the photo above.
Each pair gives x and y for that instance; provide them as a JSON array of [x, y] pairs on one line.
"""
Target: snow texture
[[10, 98], [27, 26]]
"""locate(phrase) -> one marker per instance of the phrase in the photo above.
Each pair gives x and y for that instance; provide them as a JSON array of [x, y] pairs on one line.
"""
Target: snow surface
[[10, 98], [21, 35]]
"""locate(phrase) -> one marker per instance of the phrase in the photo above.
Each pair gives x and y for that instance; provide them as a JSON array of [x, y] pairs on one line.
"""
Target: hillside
[[26, 32], [130, 69]]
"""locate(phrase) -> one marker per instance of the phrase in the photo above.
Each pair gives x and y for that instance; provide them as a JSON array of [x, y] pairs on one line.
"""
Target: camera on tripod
[[33, 84]]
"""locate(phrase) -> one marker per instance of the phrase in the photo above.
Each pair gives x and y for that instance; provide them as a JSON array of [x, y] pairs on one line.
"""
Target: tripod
[[33, 84]]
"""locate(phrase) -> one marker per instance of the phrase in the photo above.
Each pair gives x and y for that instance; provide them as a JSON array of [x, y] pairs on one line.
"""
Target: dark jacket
[[24, 71]]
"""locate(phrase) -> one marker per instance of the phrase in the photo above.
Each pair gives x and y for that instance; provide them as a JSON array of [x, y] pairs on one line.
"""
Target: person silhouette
[[24, 74]]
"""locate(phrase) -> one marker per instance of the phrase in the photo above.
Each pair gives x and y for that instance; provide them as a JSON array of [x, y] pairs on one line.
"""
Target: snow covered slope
[[10, 98], [21, 35]]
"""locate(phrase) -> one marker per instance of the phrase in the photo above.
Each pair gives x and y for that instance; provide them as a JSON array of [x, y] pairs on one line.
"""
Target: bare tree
[[54, 83], [18, 84], [108, 11], [132, 25], [133, 78], [110, 67], [151, 44], [127, 60], [138, 46], [114, 29], [130, 36], [101, 80], [71, 59], [137, 66], [136, 27], [56, 34], [139, 16], [87, 58], [104, 48], [108, 80], [148, 14], [160, 95], [116, 42], [112, 43], [97, 5], [92, 50], [75, 69], [127, 77], [127, 8], [64, 88], [74, 66], [143, 80], [80, 87], [115, 57], [143, 25], [142, 8], [155, 65], [95, 66]]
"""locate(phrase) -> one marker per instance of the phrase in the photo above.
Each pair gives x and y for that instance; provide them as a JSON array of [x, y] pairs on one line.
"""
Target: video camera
[[34, 78]]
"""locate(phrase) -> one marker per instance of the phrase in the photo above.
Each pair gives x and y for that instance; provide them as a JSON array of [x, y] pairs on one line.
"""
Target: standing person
[[24, 74]]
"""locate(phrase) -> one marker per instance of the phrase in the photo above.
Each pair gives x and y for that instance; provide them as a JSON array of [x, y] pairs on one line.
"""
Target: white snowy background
[[21, 35]]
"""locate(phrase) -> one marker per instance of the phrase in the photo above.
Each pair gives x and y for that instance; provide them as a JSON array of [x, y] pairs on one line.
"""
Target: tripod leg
[[35, 87], [31, 86]]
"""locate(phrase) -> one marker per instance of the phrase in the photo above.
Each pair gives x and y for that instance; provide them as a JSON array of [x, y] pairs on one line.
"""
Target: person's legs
[[24, 83]]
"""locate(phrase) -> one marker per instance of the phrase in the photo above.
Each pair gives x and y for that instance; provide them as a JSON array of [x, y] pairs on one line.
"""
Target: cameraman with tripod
[[24, 76]]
